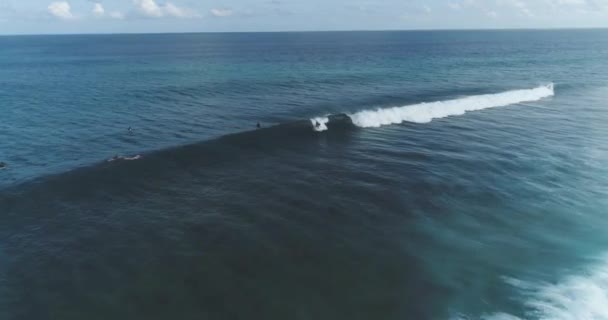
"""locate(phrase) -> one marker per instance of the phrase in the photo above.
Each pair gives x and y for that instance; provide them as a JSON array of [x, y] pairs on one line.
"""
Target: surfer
[[258, 125], [3, 165], [130, 130], [317, 124]]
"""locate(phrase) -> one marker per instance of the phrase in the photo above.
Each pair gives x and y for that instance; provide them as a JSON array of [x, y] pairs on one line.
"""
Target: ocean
[[446, 175]]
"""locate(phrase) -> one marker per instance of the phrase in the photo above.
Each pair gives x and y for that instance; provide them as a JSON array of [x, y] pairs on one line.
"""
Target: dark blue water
[[453, 175]]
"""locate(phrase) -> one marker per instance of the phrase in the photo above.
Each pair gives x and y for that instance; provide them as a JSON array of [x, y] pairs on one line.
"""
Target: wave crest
[[426, 112]]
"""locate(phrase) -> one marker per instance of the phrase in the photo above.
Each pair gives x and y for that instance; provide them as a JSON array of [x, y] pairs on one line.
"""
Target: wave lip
[[426, 112]]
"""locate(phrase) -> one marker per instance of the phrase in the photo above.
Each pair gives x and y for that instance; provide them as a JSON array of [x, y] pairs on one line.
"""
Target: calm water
[[399, 205]]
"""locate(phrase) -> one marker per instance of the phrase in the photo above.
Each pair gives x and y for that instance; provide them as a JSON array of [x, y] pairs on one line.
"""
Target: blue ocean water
[[397, 175]]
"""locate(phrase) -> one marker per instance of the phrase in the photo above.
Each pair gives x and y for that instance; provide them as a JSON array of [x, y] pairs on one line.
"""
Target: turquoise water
[[452, 175]]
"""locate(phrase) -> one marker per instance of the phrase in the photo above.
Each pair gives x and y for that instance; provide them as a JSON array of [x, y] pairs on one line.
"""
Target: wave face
[[426, 112]]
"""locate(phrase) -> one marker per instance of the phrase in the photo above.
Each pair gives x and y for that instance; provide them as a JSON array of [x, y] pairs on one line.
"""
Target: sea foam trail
[[426, 112]]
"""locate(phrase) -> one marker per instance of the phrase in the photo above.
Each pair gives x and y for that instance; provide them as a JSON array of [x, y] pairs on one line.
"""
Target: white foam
[[322, 121], [426, 112], [583, 296]]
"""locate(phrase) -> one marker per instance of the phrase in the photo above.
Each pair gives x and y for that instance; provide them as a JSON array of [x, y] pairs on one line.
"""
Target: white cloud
[[523, 8], [61, 10], [175, 11], [98, 10], [221, 12], [149, 8]]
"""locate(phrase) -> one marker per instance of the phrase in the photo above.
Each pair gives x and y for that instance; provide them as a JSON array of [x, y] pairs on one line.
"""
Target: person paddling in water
[[3, 165]]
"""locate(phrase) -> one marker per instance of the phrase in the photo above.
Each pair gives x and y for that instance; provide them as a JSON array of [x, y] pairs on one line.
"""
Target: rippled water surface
[[397, 175]]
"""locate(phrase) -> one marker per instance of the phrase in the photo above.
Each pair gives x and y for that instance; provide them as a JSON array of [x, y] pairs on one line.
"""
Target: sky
[[154, 16]]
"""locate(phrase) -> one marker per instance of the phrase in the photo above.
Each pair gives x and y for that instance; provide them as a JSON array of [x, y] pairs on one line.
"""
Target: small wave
[[426, 112]]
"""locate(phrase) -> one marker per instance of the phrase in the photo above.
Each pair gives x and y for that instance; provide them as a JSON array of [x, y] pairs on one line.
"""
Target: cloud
[[98, 10], [175, 11], [61, 10], [221, 12], [522, 7], [151, 9]]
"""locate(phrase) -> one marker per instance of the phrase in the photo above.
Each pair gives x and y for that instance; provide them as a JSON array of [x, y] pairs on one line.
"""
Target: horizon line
[[307, 31]]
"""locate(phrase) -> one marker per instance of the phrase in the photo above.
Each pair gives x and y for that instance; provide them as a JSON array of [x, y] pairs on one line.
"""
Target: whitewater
[[427, 111], [583, 296]]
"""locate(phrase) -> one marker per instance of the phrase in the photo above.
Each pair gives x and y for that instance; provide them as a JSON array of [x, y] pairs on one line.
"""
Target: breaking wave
[[426, 112], [225, 148], [580, 296], [583, 296]]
